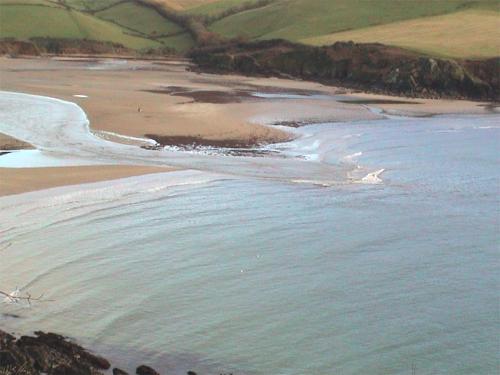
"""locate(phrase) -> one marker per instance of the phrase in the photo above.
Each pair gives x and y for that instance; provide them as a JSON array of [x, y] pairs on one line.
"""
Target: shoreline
[[270, 109], [185, 109], [139, 97], [151, 200], [52, 353], [23, 180]]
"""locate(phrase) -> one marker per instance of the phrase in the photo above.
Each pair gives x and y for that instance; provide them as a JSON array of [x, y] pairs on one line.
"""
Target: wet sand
[[136, 98], [165, 101], [423, 107], [9, 143], [22, 180], [115, 96]]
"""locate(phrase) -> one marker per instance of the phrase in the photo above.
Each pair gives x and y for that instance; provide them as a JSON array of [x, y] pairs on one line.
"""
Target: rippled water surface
[[212, 271]]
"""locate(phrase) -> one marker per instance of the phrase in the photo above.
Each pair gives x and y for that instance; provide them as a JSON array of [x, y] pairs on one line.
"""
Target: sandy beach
[[165, 101], [22, 180]]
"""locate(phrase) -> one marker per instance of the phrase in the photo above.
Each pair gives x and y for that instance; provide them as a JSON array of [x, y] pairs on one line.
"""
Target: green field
[[468, 34], [451, 28], [182, 5], [42, 21], [300, 19], [88, 5], [145, 21], [128, 23], [181, 42], [215, 8], [29, 2]]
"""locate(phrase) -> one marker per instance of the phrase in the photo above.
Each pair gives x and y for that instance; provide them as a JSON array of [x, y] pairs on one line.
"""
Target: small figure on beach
[[139, 109]]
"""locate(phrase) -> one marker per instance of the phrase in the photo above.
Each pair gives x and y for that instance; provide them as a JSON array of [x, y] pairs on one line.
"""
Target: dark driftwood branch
[[27, 297]]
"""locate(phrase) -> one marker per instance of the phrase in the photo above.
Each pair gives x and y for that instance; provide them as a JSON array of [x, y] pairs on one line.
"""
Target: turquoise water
[[213, 272]]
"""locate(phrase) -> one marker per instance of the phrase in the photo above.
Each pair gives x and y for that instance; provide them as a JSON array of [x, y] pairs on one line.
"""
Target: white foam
[[285, 95], [278, 96], [373, 177], [352, 156], [38, 159], [111, 135], [348, 136], [80, 96], [314, 182], [312, 157]]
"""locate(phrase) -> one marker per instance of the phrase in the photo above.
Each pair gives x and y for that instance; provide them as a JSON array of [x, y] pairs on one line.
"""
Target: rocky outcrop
[[371, 67], [47, 353], [145, 370], [53, 354]]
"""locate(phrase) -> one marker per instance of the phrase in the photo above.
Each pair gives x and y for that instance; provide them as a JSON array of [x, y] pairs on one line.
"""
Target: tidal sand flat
[[20, 180], [152, 103]]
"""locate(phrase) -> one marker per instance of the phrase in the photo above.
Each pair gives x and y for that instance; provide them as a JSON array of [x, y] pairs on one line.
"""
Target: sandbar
[[168, 102], [22, 180]]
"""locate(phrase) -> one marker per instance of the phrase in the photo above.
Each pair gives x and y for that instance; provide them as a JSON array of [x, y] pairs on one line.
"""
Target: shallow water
[[61, 130], [278, 274]]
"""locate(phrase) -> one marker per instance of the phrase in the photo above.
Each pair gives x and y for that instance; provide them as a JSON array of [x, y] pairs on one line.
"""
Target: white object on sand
[[373, 178]]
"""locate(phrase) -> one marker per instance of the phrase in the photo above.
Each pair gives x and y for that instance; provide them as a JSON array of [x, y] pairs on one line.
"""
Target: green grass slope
[[473, 34], [300, 19], [181, 42], [88, 5], [30, 2], [28, 21], [215, 8], [143, 20], [467, 29]]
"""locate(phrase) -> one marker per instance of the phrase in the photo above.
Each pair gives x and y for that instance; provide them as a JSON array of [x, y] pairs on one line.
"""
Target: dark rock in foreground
[[47, 353], [371, 67], [53, 354], [145, 370]]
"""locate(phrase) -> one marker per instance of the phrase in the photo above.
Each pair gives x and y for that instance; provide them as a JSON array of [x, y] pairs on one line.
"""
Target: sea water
[[291, 275]]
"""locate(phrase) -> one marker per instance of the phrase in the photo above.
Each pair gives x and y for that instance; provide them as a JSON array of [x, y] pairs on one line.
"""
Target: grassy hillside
[[181, 42], [467, 34], [210, 8], [300, 19], [186, 4], [453, 28], [29, 2], [125, 22], [87, 5], [28, 21], [145, 21]]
